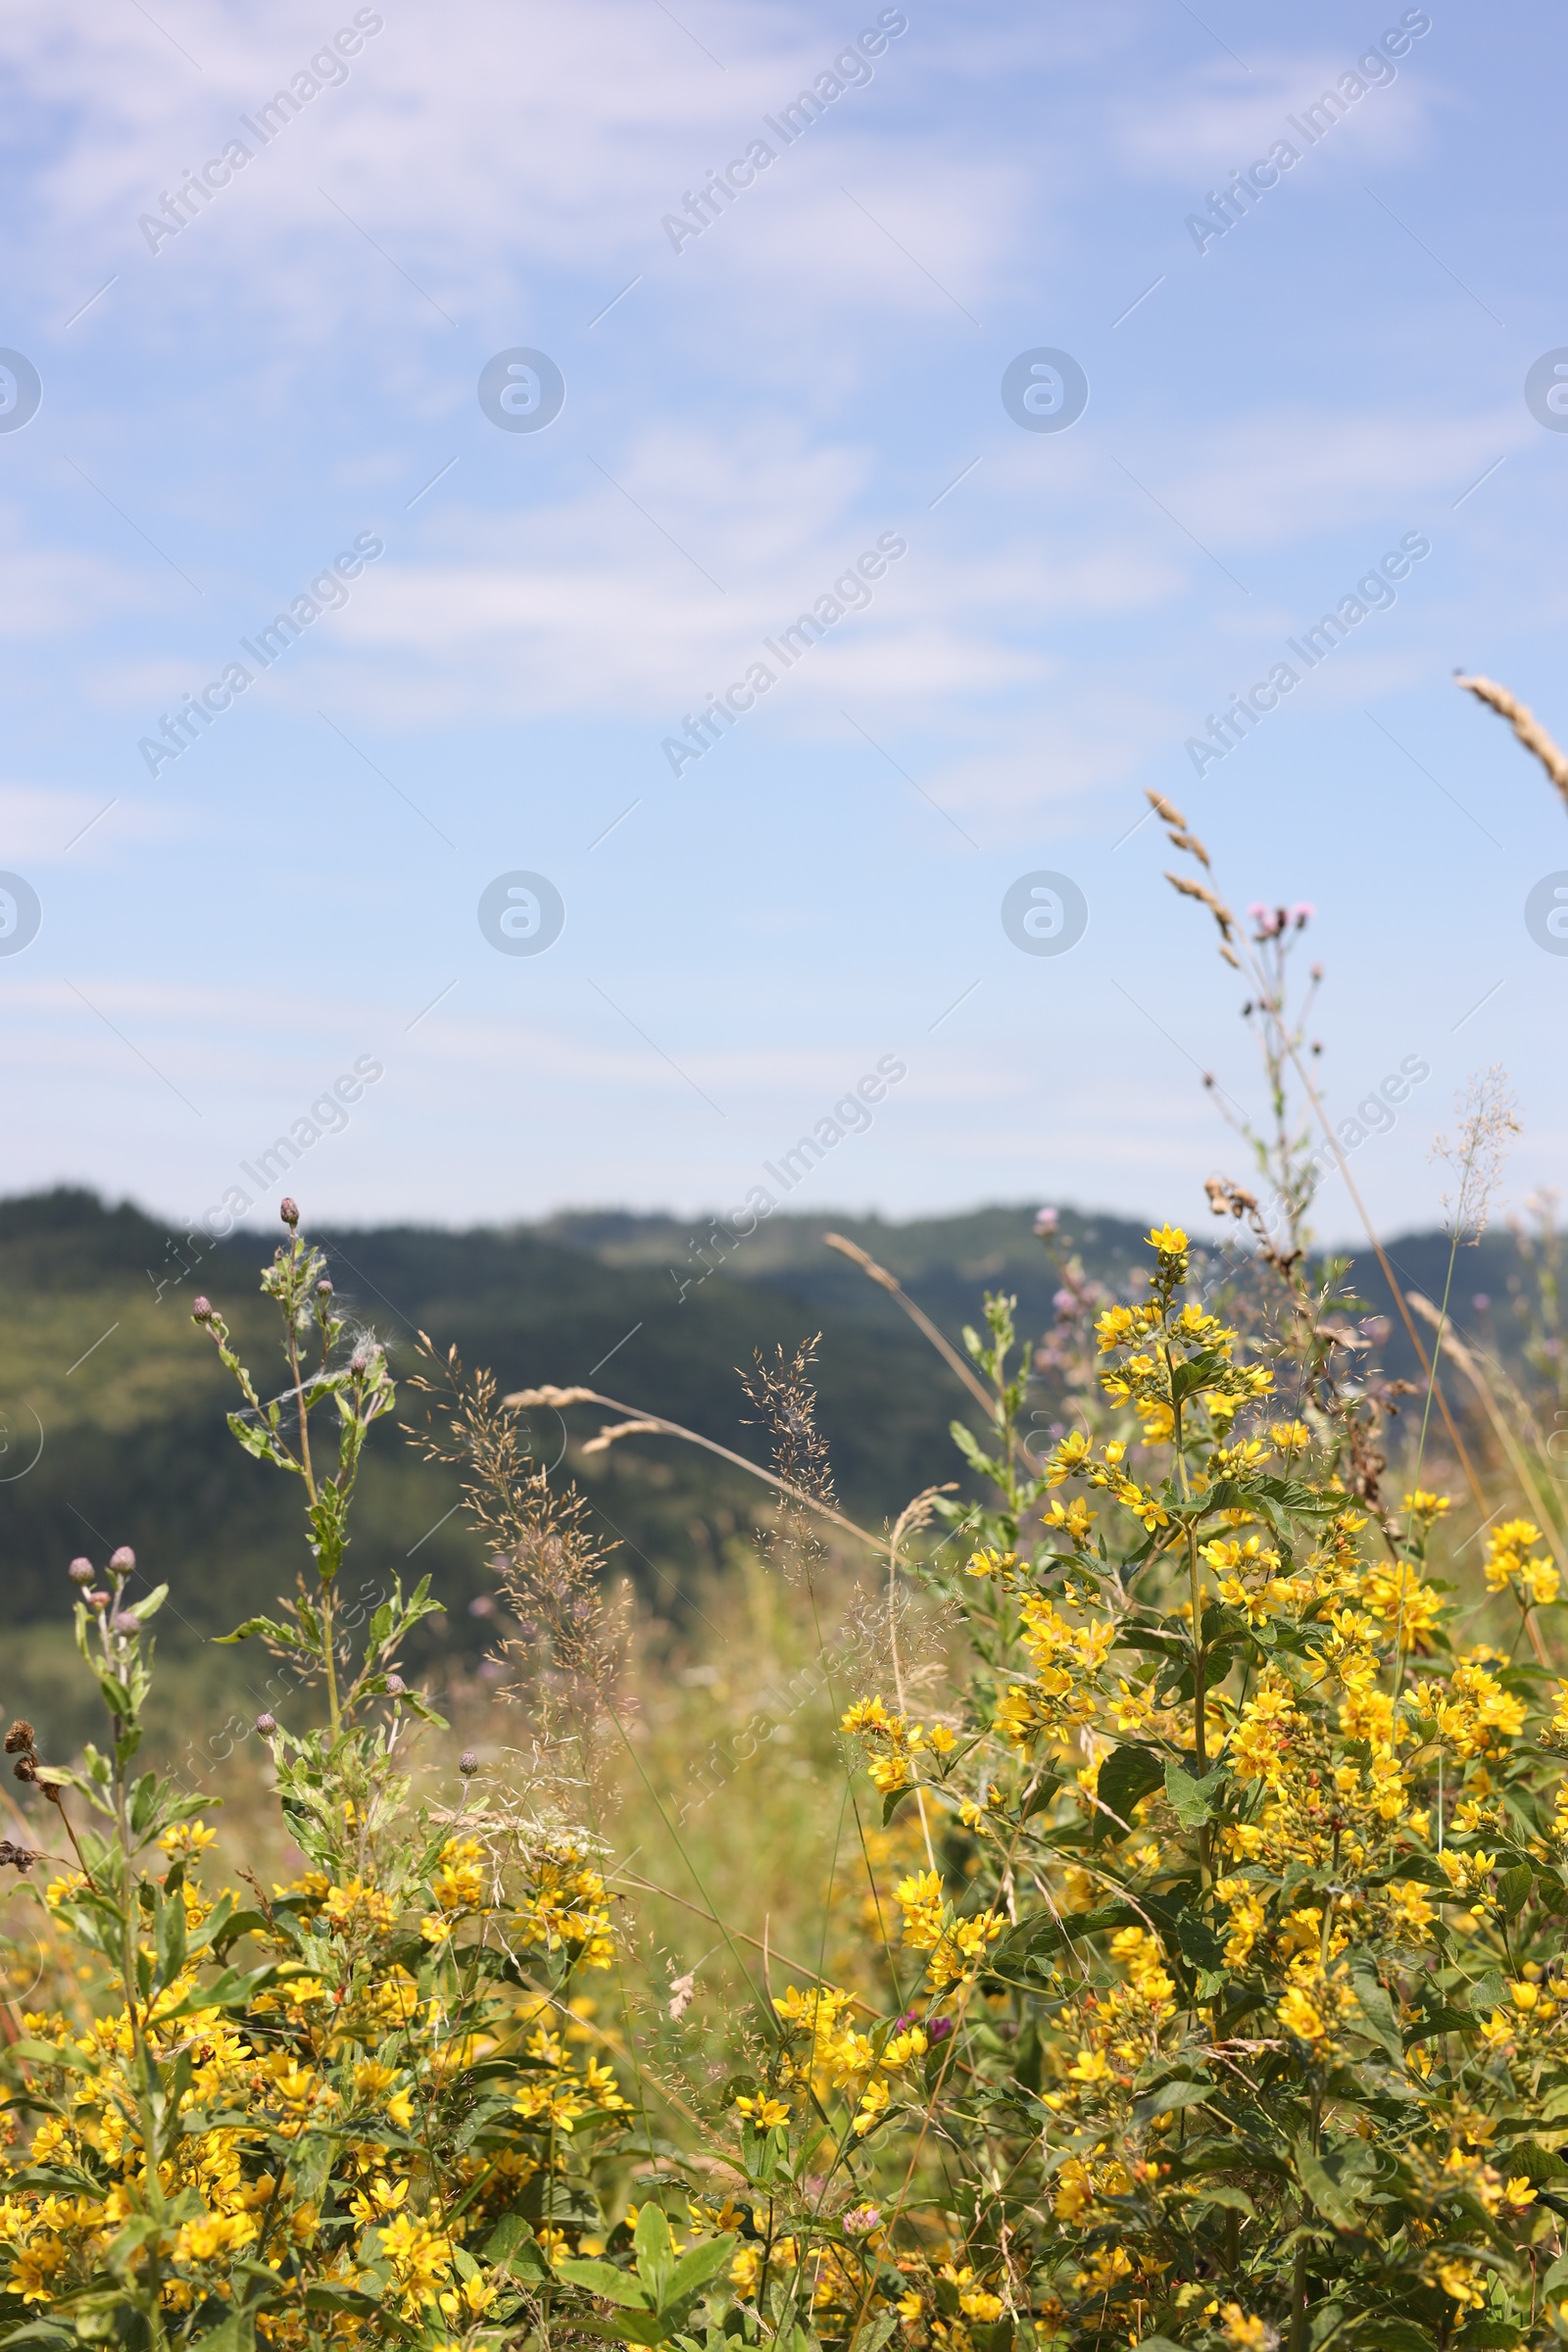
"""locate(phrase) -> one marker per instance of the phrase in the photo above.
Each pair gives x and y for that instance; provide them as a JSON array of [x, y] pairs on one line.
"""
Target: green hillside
[[122, 1402]]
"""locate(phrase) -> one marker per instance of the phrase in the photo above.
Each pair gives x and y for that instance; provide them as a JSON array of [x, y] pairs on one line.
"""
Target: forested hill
[[112, 1404]]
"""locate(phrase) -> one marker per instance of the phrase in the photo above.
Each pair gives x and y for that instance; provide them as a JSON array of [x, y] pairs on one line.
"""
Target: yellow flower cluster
[[826, 2056], [892, 1744], [1474, 1714], [1249, 1578], [563, 1909], [1067, 1661], [957, 1946], [1511, 1565], [345, 2057]]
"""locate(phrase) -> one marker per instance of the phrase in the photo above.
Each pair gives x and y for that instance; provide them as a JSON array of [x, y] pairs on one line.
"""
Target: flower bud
[[121, 1560], [266, 1725], [323, 1289], [288, 1208], [468, 1763], [125, 1621], [201, 1310], [395, 1686], [80, 1571], [359, 1363], [96, 1600]]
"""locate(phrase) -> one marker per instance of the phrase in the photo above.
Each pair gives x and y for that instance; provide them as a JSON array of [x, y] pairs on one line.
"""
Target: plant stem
[[328, 1638], [330, 1651], [1194, 1587], [1299, 2299], [1194, 1580], [146, 2121], [1420, 1451]]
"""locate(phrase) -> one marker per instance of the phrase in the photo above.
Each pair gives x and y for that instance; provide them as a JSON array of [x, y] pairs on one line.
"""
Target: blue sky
[[748, 410]]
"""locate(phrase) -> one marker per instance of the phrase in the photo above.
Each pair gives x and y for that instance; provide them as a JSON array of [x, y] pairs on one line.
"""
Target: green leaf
[[1168, 2098], [236, 2334], [1377, 2010], [1186, 1379], [284, 1634], [1327, 2186], [145, 1800], [1031, 1939], [230, 1991], [259, 1441], [603, 2279], [894, 1799], [874, 2334], [1224, 2193], [633, 2328], [1513, 1886], [655, 2256], [117, 1699], [1155, 1638], [512, 2244], [1199, 1942], [505, 2238], [310, 2165], [1043, 1794], [44, 2053], [169, 1929], [695, 2268], [362, 2306], [1127, 1775], [1192, 1800]]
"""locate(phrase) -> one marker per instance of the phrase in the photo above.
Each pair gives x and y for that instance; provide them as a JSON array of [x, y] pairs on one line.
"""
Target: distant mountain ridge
[[104, 1377]]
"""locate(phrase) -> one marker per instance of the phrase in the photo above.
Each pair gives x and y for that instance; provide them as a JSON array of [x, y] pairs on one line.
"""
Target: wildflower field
[[1120, 1902]]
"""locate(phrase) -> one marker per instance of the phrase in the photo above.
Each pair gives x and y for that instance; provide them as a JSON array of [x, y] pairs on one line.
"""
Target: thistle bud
[[19, 1736], [266, 1725], [288, 1209], [201, 1310], [122, 1561], [468, 1763], [96, 1600], [80, 1571], [125, 1621], [395, 1686], [323, 1289]]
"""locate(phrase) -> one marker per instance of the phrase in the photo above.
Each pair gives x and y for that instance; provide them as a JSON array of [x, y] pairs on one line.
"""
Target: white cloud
[[40, 823], [1221, 114]]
